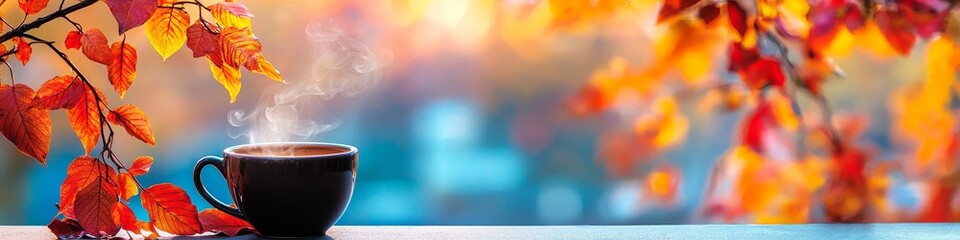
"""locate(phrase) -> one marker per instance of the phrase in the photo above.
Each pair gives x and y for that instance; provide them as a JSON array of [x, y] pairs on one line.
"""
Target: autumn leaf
[[60, 92], [149, 228], [27, 126], [170, 209], [167, 30], [24, 51], [229, 77], [238, 46], [897, 30], [671, 9], [264, 67], [123, 69], [737, 17], [709, 13], [66, 228], [95, 46], [124, 217], [763, 72], [131, 13], [94, 205], [141, 165], [127, 186], [741, 58], [217, 221], [33, 6], [200, 40], [73, 40], [85, 119], [80, 173], [134, 121], [231, 15]]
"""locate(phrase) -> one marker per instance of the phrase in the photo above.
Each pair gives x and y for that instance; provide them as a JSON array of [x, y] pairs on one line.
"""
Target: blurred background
[[477, 115]]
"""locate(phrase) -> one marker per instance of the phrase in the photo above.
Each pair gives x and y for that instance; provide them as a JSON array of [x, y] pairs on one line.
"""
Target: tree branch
[[21, 30]]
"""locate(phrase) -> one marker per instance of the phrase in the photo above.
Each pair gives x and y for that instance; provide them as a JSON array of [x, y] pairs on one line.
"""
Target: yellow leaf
[[231, 14], [167, 30], [229, 76]]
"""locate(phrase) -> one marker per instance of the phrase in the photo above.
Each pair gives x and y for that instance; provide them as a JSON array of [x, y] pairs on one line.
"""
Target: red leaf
[[33, 6], [141, 165], [94, 207], [131, 13], [85, 119], [737, 16], [124, 217], [123, 69], [73, 40], [755, 125], [217, 221], [672, 9], [741, 58], [928, 16], [23, 50], [200, 40], [709, 13], [26, 126], [66, 228], [134, 121], [170, 209], [81, 172], [762, 72], [897, 30], [95, 47], [60, 92]]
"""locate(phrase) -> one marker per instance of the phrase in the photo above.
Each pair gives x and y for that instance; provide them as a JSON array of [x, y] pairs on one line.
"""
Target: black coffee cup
[[286, 189]]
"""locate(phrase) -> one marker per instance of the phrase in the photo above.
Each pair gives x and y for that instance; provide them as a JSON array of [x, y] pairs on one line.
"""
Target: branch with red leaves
[[95, 196]]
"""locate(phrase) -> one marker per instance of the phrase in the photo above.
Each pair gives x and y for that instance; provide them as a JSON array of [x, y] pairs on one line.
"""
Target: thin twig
[[18, 31]]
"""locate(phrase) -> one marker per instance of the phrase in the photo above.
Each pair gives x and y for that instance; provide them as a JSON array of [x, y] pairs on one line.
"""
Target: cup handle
[[216, 162]]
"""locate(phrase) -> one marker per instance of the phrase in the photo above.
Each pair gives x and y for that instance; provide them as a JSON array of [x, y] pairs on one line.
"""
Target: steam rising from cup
[[291, 112]]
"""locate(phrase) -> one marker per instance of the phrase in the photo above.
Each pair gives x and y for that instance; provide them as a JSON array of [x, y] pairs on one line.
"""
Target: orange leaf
[[167, 30], [229, 77], [170, 209], [262, 66], [66, 228], [27, 126], [897, 30], [124, 217], [128, 186], [134, 121], [60, 92], [73, 40], [231, 14], [81, 172], [33, 6], [148, 227], [200, 40], [217, 221], [141, 165], [94, 206], [85, 119], [23, 50], [96, 47], [123, 69], [238, 46]]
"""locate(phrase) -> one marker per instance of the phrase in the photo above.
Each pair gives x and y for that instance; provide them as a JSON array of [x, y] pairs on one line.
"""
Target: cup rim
[[351, 150]]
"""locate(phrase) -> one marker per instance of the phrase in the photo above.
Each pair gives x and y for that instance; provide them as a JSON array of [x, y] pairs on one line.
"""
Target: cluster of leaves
[[782, 50], [95, 197]]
